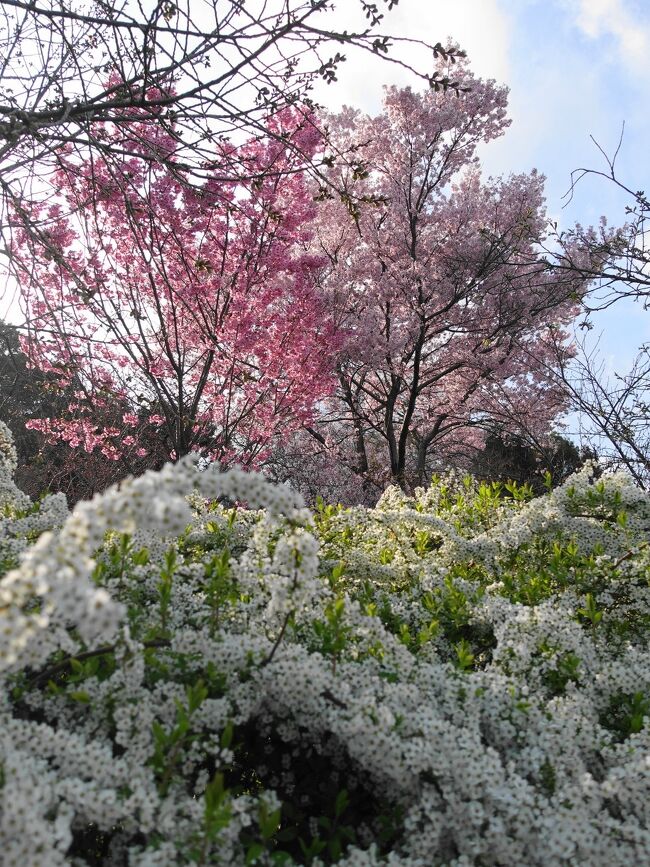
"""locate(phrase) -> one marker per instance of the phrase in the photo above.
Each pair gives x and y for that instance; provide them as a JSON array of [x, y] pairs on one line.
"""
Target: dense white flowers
[[457, 678], [8, 453]]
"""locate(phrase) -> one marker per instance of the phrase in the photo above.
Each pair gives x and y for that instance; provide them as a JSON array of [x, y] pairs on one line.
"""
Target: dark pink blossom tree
[[449, 311], [195, 305]]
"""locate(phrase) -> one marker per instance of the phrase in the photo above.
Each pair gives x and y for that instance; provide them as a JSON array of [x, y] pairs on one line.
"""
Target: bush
[[457, 678]]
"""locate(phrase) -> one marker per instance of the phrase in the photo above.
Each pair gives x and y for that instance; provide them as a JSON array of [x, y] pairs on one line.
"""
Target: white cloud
[[620, 20], [481, 27]]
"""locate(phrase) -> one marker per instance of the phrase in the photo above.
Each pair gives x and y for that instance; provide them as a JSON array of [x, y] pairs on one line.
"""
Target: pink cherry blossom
[[437, 286], [196, 306]]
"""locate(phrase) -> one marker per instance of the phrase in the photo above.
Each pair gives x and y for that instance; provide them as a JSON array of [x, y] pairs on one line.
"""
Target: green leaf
[[159, 735], [269, 822], [227, 735], [281, 858], [141, 557], [253, 853], [341, 803], [464, 655], [214, 794]]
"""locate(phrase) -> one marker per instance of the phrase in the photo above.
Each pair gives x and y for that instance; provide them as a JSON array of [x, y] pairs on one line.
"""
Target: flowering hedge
[[196, 670]]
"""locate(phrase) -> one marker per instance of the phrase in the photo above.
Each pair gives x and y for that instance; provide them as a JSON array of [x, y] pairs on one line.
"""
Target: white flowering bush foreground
[[457, 678]]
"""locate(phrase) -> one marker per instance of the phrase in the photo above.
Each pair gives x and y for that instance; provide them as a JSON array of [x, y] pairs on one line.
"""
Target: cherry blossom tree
[[449, 310], [82, 85], [196, 306], [54, 467], [202, 70]]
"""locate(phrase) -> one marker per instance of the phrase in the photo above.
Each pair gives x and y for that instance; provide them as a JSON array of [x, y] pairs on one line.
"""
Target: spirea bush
[[197, 670]]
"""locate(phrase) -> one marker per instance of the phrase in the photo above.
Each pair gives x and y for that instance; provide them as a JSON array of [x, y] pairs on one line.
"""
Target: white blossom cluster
[[8, 453], [453, 679], [10, 495]]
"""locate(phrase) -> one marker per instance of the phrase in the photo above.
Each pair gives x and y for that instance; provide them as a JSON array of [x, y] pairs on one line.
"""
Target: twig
[[52, 670], [276, 644]]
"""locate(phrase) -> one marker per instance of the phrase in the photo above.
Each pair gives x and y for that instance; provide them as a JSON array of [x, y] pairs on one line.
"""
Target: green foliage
[[165, 588], [538, 467], [169, 745], [331, 633], [566, 670], [626, 714]]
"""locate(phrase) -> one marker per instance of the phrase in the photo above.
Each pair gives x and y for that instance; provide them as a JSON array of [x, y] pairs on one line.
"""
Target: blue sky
[[575, 68]]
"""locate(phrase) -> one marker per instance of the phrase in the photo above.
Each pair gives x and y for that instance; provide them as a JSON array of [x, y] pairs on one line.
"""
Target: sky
[[575, 69]]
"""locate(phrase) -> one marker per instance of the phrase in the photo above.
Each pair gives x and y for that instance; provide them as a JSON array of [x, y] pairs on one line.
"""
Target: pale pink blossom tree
[[450, 312]]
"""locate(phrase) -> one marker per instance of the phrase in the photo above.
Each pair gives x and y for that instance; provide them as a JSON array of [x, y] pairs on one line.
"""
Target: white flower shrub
[[11, 497], [457, 678]]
